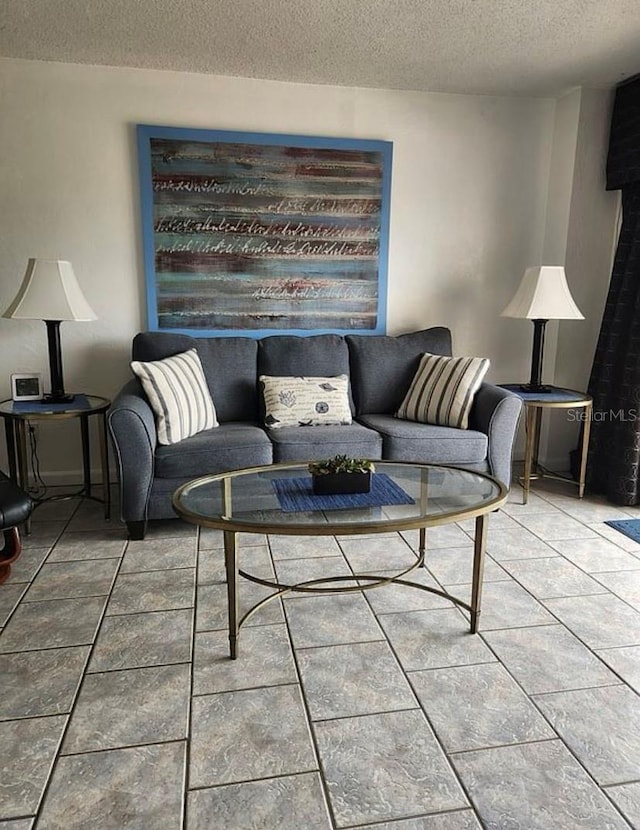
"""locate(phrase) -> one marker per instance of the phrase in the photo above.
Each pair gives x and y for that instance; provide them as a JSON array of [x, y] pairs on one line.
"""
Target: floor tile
[[28, 751], [627, 798], [548, 658], [264, 659], [602, 727], [411, 776], [458, 820], [505, 605], [88, 545], [455, 565], [371, 554], [625, 662], [139, 787], [62, 580], [18, 824], [123, 708], [471, 707], [258, 733], [40, 682], [170, 529], [135, 640], [535, 504], [43, 534], [597, 555], [152, 591], [59, 622], [26, 566], [355, 679], [497, 521], [392, 598], [303, 547], [443, 536], [553, 577], [617, 538], [211, 608], [504, 545], [554, 526], [10, 595], [625, 584], [255, 560], [159, 554], [55, 509], [601, 621], [538, 786], [296, 571], [287, 803], [434, 639], [332, 620]]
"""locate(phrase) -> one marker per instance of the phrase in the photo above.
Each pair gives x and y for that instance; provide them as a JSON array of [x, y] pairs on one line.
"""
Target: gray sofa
[[380, 370]]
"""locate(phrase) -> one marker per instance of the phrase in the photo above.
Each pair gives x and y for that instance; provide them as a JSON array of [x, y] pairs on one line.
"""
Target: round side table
[[553, 397], [17, 415]]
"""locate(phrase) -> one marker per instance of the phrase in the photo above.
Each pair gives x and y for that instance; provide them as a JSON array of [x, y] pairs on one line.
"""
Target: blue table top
[[555, 394]]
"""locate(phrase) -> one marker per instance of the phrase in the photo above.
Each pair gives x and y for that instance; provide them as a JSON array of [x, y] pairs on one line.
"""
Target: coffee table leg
[[231, 565], [478, 571], [422, 545]]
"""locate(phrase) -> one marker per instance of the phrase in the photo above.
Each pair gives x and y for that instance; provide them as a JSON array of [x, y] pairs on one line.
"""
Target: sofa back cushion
[[229, 365], [286, 355], [382, 367]]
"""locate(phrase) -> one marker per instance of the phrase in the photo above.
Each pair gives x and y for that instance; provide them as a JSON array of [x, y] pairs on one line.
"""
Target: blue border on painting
[[145, 132]]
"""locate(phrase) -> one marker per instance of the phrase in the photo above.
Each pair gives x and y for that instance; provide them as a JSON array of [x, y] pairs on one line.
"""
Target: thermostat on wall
[[26, 387]]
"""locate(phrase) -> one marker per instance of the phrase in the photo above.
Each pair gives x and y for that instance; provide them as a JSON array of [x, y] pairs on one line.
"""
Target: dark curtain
[[614, 449]]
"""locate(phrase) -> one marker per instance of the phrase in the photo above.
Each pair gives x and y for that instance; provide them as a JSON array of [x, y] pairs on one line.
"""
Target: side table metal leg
[[585, 448], [231, 566], [530, 427], [11, 449], [479, 545], [86, 454], [23, 474]]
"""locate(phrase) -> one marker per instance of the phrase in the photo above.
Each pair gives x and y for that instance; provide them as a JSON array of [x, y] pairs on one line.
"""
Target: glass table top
[[247, 500]]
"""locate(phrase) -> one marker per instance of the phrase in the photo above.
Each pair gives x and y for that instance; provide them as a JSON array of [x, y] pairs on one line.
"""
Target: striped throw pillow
[[179, 396], [442, 390]]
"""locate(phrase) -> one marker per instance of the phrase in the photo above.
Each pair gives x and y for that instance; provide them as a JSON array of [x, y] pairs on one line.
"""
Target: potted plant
[[341, 474]]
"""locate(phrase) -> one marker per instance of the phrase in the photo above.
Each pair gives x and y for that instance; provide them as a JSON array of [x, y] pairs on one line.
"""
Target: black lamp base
[[530, 387], [537, 353], [57, 394], [63, 398]]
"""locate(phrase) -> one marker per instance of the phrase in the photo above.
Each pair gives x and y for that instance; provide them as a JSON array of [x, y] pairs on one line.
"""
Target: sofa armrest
[[133, 431], [496, 412]]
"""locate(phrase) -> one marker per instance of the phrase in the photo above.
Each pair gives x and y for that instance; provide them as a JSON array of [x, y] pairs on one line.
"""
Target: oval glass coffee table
[[277, 499]]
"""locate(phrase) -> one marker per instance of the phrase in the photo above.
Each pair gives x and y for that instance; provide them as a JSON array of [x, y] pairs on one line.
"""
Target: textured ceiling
[[528, 47]]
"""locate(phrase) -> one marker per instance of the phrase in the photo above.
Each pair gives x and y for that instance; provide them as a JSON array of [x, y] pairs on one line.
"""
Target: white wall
[[588, 225], [470, 178]]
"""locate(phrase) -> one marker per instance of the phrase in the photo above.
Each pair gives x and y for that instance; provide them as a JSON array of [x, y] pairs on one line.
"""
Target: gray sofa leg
[[137, 530]]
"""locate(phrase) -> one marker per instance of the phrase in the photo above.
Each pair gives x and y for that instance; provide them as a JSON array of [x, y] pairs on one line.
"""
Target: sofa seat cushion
[[425, 443], [230, 446], [313, 443]]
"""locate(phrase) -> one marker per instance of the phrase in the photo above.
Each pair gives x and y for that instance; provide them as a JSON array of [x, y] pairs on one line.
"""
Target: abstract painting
[[257, 233]]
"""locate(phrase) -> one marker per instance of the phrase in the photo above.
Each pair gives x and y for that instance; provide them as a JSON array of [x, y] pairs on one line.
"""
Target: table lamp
[[50, 292], [542, 295]]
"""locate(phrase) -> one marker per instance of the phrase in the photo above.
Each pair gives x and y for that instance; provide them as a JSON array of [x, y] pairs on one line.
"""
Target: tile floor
[[120, 709]]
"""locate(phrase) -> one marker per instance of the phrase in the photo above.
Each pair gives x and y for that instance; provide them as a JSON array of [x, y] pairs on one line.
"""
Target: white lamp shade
[[50, 291], [543, 294]]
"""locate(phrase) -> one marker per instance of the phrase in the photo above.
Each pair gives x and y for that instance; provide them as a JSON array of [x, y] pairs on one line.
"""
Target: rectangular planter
[[341, 483]]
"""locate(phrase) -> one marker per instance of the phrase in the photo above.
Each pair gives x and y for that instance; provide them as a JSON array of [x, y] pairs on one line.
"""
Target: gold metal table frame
[[231, 526], [533, 421]]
